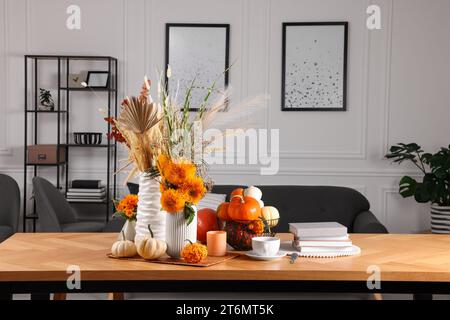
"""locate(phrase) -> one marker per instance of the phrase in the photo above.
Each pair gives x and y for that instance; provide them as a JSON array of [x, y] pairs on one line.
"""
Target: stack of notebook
[[320, 237], [86, 191]]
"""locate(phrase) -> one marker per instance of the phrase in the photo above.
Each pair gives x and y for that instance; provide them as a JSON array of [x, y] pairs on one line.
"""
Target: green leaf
[[189, 213], [407, 187]]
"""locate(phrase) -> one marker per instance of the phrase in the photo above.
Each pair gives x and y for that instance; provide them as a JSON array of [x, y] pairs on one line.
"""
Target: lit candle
[[216, 242]]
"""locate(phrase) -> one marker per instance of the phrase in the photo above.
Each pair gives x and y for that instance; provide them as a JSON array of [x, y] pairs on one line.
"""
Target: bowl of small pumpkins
[[245, 216]]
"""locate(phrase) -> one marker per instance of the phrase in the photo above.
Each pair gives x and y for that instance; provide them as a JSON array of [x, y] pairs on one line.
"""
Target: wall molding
[[385, 191], [385, 121], [5, 150]]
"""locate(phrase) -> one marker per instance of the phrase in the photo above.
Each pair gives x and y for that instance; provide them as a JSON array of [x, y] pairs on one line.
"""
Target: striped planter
[[177, 232], [440, 219]]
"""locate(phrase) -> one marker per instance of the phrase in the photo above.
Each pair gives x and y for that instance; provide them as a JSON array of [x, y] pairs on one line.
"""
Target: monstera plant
[[435, 185]]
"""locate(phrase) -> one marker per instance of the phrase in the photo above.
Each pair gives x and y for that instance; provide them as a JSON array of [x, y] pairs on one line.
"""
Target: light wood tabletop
[[46, 256]]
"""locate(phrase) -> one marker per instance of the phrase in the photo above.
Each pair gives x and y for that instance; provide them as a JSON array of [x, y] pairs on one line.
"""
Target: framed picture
[[314, 66], [200, 52], [97, 79]]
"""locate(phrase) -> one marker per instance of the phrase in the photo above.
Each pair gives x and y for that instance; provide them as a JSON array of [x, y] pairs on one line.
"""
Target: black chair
[[55, 213], [313, 204], [9, 206]]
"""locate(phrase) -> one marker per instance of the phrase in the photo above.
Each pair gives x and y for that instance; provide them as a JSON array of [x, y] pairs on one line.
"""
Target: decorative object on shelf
[[46, 154], [97, 80], [194, 252], [314, 66], [199, 51], [123, 248], [242, 218], [150, 248], [435, 185], [75, 80], [126, 208], [87, 138], [46, 100]]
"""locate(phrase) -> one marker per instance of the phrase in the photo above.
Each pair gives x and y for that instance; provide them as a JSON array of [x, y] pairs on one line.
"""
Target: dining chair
[[55, 213], [9, 206]]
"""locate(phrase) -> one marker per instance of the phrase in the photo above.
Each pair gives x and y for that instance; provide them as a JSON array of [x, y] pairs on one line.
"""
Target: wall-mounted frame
[[200, 51], [97, 79], [314, 66]]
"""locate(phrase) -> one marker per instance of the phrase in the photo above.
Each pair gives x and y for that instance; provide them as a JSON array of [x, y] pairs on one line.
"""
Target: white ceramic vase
[[129, 231], [149, 209], [178, 231]]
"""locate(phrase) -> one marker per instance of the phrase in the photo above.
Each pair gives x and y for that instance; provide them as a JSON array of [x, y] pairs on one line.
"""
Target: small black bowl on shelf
[[86, 138]]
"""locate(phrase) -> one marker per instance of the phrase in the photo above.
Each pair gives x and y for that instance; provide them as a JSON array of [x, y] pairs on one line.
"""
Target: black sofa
[[313, 204]]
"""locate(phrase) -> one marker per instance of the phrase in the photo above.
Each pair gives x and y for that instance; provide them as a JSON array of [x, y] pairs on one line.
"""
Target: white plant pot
[[440, 219], [129, 230], [149, 209], [177, 232]]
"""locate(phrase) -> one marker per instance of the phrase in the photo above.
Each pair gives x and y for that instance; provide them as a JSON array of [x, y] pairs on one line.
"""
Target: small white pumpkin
[[261, 203], [150, 248], [253, 192], [123, 248], [270, 214]]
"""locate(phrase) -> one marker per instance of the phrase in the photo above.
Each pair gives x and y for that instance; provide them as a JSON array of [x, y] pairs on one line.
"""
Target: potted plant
[[46, 100], [435, 185]]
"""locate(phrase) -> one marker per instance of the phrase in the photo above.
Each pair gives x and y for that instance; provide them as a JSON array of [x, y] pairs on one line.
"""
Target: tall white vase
[[177, 232], [149, 209]]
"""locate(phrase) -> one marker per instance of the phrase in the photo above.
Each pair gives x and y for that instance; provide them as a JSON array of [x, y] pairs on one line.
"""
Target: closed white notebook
[[318, 229], [323, 243]]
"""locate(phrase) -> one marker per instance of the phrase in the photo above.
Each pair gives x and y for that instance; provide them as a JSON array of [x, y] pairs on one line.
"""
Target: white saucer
[[253, 255]]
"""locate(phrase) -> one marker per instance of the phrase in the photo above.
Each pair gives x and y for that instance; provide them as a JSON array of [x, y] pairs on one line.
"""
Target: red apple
[[206, 221]]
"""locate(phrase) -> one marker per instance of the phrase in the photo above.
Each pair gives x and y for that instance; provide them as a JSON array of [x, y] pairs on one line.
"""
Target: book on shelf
[[86, 184], [87, 196], [95, 200], [87, 191], [317, 229]]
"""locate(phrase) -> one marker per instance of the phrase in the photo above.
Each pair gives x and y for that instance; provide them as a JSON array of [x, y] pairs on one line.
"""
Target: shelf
[[90, 145], [89, 89], [46, 164], [70, 57], [86, 202], [45, 111], [31, 217]]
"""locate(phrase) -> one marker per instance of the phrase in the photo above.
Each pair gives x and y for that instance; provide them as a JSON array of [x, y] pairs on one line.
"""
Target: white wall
[[397, 82]]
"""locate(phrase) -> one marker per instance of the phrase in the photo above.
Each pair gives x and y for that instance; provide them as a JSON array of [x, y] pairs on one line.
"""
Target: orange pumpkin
[[237, 192], [222, 211], [244, 208]]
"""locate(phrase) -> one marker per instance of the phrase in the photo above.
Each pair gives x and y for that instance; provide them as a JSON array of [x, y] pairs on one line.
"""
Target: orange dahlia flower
[[178, 173], [194, 189], [172, 201]]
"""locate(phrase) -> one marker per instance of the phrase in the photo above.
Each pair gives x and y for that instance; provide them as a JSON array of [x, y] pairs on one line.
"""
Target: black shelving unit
[[62, 112]]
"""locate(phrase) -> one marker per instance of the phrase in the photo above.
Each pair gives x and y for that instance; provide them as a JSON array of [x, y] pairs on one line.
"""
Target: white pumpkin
[[253, 192], [150, 248], [123, 248], [261, 203], [270, 214]]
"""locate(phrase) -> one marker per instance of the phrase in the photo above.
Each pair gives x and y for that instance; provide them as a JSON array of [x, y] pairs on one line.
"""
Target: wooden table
[[37, 263]]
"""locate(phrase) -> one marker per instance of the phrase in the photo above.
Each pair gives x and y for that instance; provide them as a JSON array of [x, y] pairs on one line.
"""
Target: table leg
[[422, 296], [40, 296]]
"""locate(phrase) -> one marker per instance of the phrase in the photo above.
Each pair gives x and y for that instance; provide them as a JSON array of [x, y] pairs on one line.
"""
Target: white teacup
[[266, 246]]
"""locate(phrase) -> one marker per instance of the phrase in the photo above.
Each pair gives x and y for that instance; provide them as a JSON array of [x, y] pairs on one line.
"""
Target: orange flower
[[194, 189], [257, 227], [162, 162], [129, 212], [172, 201], [178, 173]]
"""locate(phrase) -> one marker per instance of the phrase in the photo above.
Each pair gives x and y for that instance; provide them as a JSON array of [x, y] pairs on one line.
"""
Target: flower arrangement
[[127, 207], [180, 186]]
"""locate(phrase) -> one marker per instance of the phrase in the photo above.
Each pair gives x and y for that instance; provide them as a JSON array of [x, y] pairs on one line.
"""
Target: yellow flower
[[172, 201], [178, 173], [194, 189]]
